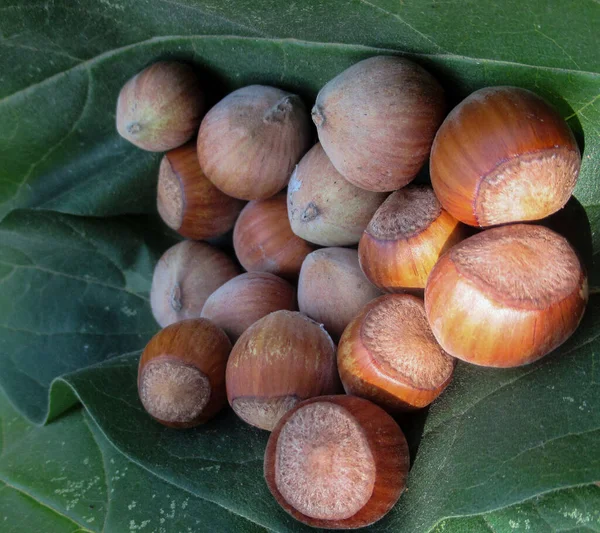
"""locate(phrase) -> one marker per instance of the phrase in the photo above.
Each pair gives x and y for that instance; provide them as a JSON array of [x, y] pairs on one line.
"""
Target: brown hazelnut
[[377, 119], [250, 141], [506, 296], [181, 375], [243, 300], [332, 288], [277, 362], [389, 355], [188, 202], [337, 462], [503, 155], [161, 107], [323, 206], [405, 238], [264, 241], [184, 277]]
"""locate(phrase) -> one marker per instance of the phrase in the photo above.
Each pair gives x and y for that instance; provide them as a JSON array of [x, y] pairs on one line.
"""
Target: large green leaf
[[501, 451], [59, 146], [73, 292], [67, 477], [496, 439]]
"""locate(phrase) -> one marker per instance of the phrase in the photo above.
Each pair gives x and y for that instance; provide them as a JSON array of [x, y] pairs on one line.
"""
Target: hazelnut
[[377, 119], [405, 238], [337, 462], [325, 208], [278, 361], [188, 202], [184, 277], [332, 288], [181, 375], [264, 241], [389, 355], [161, 107], [507, 296], [243, 300], [503, 155], [250, 141]]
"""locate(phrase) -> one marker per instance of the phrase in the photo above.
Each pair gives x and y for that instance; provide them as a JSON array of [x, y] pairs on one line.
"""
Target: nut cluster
[[404, 285]]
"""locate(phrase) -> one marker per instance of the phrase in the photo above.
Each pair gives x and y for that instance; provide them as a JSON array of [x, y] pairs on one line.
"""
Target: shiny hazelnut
[[181, 375], [280, 360], [504, 155], [337, 462], [405, 238], [264, 241], [507, 296], [389, 355], [188, 202]]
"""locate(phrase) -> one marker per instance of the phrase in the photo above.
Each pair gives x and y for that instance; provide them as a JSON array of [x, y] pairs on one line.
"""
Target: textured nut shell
[[184, 277], [188, 202], [161, 107], [200, 344], [332, 288], [489, 328], [243, 300], [325, 208], [389, 449], [377, 119], [403, 261], [503, 155], [364, 374], [264, 241], [284, 355], [250, 141]]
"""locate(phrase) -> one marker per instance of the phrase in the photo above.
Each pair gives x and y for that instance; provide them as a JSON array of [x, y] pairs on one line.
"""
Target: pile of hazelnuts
[[309, 319]]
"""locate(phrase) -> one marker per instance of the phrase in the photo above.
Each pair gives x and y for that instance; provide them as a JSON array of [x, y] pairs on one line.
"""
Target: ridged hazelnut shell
[[188, 202], [280, 360], [504, 155], [264, 241], [507, 296], [332, 288], [184, 277], [250, 141], [243, 300], [181, 361], [405, 238], [323, 207], [389, 355], [377, 119], [386, 444], [161, 107]]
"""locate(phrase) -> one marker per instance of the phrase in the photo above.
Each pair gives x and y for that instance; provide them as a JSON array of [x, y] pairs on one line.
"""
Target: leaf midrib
[[358, 47]]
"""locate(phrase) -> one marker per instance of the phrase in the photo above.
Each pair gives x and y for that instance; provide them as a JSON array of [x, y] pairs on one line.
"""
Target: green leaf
[[66, 477], [564, 510], [502, 450], [66, 155], [495, 439], [74, 292]]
